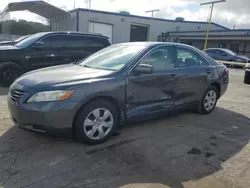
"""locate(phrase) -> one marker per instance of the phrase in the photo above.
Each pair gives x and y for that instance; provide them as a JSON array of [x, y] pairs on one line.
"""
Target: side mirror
[[37, 45], [143, 69]]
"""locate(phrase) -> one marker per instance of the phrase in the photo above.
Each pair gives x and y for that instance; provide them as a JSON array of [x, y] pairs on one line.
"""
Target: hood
[[8, 47], [6, 42], [59, 74], [242, 57]]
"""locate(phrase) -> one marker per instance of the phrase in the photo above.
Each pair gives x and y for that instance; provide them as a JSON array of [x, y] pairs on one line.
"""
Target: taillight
[[226, 69]]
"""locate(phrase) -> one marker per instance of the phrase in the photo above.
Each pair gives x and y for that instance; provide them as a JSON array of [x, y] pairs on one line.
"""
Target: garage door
[[104, 29]]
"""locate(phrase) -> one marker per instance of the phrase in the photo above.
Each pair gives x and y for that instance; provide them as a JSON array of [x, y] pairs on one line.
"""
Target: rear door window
[[189, 58], [79, 41]]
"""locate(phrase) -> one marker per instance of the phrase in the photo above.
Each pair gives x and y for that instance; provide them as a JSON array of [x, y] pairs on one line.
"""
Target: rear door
[[149, 93], [193, 73]]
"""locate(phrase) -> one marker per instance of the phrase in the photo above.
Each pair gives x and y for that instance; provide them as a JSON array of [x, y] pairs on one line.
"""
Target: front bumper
[[43, 116], [247, 75]]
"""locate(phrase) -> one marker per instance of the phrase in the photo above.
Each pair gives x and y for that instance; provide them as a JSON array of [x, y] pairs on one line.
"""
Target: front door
[[221, 55], [149, 93], [48, 54]]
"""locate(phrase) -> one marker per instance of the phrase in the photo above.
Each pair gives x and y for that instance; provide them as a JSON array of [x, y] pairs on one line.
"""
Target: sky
[[229, 14]]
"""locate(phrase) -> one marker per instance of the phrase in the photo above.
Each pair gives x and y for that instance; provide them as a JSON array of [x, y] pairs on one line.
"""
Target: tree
[[180, 19], [23, 27]]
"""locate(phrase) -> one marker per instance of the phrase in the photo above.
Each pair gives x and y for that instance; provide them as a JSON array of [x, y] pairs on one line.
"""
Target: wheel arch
[[217, 86], [110, 99]]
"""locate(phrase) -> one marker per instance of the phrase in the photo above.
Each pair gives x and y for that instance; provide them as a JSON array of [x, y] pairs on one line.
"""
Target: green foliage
[[23, 27], [181, 19]]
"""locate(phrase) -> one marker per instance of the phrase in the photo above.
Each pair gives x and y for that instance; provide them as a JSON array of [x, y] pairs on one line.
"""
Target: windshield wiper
[[87, 66]]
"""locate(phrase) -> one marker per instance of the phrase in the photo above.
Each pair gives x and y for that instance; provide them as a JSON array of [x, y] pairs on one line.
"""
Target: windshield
[[114, 57], [29, 40], [21, 38], [229, 52]]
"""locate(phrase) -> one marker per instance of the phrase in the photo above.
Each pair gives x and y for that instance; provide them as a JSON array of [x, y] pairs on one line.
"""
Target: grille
[[16, 94]]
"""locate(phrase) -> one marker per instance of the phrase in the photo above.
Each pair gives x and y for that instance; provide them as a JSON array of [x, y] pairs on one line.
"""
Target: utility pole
[[74, 4], [210, 18], [152, 17], [88, 2]]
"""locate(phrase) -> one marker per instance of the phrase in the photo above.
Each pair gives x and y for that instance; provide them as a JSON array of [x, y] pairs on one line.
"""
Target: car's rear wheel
[[96, 122], [209, 100]]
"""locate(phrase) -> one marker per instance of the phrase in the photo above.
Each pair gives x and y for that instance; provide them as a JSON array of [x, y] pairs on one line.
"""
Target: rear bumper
[[54, 117]]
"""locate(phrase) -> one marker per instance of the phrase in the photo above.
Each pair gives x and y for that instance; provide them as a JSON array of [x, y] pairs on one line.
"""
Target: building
[[237, 40], [124, 27], [120, 27]]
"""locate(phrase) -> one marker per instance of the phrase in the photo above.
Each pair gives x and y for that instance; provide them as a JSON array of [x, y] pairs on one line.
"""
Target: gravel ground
[[180, 150]]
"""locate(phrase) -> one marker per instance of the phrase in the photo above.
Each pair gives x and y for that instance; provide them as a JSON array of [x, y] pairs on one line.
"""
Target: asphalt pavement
[[178, 150]]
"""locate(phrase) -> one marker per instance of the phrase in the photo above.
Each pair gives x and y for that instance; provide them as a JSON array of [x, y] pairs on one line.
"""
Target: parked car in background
[[46, 49], [226, 55], [124, 81], [13, 42]]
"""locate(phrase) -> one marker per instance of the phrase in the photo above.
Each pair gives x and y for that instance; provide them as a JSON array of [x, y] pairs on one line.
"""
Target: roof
[[41, 8], [237, 34], [71, 32], [144, 17], [212, 31]]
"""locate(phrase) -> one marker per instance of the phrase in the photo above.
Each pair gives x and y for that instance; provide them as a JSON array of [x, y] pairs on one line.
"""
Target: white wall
[[104, 29], [121, 25]]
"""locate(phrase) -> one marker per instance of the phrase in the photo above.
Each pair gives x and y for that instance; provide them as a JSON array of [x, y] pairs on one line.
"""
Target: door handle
[[172, 75], [208, 71]]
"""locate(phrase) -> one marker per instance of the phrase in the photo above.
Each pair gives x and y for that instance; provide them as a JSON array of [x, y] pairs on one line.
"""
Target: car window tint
[[86, 41], [189, 58], [55, 41], [74, 41], [160, 59], [220, 52], [211, 51]]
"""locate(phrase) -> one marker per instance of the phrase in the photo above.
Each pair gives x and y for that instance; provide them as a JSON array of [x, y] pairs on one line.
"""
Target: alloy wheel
[[210, 100], [98, 123]]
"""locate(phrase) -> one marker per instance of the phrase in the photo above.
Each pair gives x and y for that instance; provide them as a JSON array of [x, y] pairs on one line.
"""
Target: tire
[[9, 71], [203, 104], [89, 125], [247, 77]]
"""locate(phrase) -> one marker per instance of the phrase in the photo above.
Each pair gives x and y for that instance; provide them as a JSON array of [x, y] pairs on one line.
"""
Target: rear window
[[211, 51]]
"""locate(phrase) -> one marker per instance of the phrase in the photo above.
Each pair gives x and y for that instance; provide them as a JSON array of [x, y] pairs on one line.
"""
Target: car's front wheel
[[209, 100], [9, 71], [96, 122]]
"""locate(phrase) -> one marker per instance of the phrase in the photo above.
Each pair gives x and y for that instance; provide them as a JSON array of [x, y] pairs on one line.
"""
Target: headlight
[[46, 96]]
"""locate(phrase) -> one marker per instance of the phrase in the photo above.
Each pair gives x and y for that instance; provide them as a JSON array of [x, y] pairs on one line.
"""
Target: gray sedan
[[226, 55], [93, 97]]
